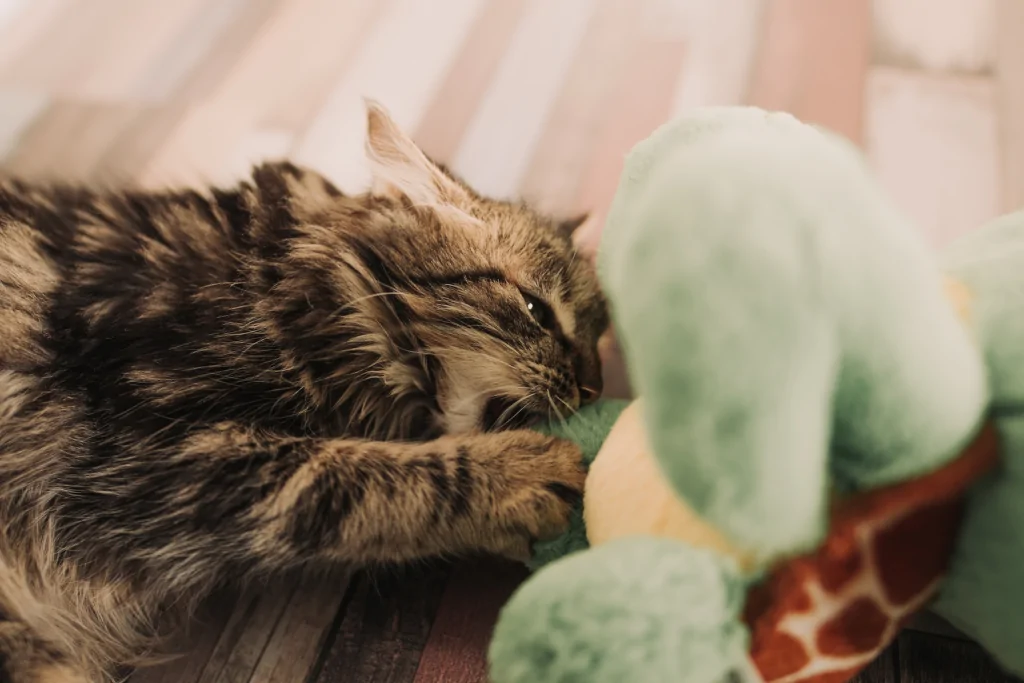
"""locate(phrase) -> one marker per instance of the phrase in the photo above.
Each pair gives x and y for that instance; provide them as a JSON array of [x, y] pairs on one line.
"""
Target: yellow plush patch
[[959, 296], [627, 495]]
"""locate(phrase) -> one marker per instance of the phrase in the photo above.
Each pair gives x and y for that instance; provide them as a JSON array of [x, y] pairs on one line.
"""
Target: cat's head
[[483, 305]]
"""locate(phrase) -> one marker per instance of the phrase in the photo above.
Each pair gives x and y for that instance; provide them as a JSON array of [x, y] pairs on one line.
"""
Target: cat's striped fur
[[240, 382]]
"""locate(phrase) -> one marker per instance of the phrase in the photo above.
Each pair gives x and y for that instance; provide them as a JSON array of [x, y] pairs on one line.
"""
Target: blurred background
[[533, 97]]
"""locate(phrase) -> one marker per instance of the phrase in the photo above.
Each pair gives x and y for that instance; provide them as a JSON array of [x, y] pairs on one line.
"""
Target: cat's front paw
[[543, 485]]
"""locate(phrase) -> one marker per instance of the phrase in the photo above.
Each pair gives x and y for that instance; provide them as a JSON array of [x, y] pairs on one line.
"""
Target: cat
[[240, 382]]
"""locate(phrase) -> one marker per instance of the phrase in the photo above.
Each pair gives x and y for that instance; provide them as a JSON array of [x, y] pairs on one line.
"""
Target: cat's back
[[87, 250], [29, 273], [34, 232]]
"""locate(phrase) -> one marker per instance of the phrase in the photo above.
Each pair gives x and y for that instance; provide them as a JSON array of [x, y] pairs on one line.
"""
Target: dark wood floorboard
[[882, 670], [456, 651], [927, 658], [385, 627]]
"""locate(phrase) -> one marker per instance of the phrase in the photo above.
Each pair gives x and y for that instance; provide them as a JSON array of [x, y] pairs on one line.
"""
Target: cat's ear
[[400, 168]]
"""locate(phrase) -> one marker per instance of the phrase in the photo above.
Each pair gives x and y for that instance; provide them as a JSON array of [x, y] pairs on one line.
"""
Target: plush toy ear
[[400, 168], [568, 226], [585, 233]]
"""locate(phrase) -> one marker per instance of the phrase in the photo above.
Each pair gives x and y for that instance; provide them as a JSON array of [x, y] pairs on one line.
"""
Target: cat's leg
[[229, 497]]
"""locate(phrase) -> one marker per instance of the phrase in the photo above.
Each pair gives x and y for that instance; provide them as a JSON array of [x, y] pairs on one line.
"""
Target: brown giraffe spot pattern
[[822, 617]]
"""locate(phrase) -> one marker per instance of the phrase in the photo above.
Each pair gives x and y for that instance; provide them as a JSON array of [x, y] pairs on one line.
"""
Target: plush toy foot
[[588, 428], [638, 609]]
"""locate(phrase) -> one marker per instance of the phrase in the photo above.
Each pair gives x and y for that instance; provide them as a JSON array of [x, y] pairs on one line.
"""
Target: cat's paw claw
[[544, 489]]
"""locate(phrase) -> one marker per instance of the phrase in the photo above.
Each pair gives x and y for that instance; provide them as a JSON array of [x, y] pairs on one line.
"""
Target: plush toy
[[830, 432]]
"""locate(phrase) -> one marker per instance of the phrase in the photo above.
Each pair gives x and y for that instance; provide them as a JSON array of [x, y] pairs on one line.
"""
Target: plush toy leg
[[637, 609], [983, 594], [588, 428], [912, 387], [984, 591], [726, 339]]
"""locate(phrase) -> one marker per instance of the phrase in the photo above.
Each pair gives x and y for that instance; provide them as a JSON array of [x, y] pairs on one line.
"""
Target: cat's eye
[[540, 311]]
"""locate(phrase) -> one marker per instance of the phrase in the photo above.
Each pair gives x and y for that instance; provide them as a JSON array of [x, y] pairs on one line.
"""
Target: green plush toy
[[831, 430]]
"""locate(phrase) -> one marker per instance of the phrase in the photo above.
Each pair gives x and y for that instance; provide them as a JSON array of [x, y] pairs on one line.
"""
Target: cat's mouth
[[502, 412]]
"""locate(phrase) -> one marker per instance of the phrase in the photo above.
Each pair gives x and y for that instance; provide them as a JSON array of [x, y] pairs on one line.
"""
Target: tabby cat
[[240, 382]]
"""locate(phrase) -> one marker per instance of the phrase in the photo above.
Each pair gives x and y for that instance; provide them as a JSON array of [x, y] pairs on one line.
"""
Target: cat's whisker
[[563, 419], [522, 403], [568, 406]]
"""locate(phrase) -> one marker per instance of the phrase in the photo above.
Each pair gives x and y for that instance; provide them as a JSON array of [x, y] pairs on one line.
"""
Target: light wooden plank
[[722, 39], [67, 140], [195, 43], [123, 54], [937, 35], [564, 149], [11, 10], [17, 112], [293, 648], [455, 101], [260, 65], [193, 139], [99, 127], [76, 29], [401, 65], [202, 147], [139, 141], [641, 101], [502, 136], [1010, 101], [233, 37], [932, 141], [813, 60], [217, 140], [26, 24], [325, 61], [282, 55]]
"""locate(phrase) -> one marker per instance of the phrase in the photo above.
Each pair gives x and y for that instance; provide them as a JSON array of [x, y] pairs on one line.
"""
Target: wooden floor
[[532, 97]]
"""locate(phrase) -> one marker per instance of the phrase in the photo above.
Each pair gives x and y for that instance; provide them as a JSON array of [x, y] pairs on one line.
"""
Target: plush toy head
[[808, 382]]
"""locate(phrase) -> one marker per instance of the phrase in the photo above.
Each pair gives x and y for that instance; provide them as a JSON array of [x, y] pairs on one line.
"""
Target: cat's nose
[[588, 379]]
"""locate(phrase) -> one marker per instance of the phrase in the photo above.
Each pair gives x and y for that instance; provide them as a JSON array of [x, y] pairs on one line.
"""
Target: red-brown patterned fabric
[[820, 618]]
